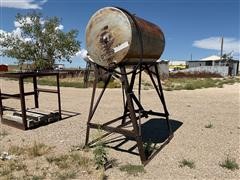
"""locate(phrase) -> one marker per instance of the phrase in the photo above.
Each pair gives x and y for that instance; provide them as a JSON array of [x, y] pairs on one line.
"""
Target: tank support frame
[[130, 102]]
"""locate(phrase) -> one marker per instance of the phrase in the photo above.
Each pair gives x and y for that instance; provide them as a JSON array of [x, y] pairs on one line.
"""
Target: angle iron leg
[[163, 100], [93, 107], [59, 97], [23, 105], [35, 92], [128, 91], [1, 106]]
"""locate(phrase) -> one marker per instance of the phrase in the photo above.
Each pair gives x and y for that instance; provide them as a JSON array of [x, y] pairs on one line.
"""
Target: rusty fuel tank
[[112, 38]]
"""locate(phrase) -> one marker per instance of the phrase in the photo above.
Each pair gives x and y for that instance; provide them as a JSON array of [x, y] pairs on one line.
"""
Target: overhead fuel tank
[[113, 36]]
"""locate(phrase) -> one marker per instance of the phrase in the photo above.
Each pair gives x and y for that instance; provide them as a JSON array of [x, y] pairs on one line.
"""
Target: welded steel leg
[[1, 106], [23, 105], [35, 92], [59, 97], [158, 88], [90, 112], [128, 91], [163, 99], [124, 113], [93, 107]]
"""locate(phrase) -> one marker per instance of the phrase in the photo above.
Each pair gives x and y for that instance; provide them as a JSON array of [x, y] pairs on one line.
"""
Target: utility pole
[[221, 47]]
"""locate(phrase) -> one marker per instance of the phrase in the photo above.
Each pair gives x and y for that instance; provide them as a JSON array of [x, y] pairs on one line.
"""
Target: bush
[[38, 149], [230, 164], [100, 155], [188, 163], [132, 169]]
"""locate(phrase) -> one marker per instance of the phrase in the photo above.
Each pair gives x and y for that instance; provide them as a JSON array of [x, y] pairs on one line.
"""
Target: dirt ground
[[190, 111]]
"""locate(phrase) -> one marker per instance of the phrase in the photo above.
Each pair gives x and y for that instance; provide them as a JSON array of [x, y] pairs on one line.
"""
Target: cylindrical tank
[[112, 38]]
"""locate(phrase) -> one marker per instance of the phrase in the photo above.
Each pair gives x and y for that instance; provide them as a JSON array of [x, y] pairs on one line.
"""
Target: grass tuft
[[16, 150], [210, 125], [5, 170], [71, 174], [149, 147], [62, 161], [132, 169], [230, 164], [192, 83], [34, 177], [80, 160], [188, 163], [67, 161], [38, 149], [102, 175], [10, 166], [100, 155], [3, 134]]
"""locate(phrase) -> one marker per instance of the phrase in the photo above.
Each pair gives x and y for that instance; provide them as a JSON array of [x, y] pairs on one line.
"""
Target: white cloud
[[28, 21], [60, 27], [17, 32], [82, 53], [214, 43], [22, 4]]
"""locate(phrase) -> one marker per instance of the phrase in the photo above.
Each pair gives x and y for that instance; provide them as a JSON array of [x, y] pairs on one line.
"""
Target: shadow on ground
[[154, 131], [69, 114]]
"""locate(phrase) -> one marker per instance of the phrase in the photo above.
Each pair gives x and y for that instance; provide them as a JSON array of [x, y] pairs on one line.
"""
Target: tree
[[39, 42]]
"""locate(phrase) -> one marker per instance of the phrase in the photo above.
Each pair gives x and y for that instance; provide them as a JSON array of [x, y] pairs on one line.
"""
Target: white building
[[214, 64]]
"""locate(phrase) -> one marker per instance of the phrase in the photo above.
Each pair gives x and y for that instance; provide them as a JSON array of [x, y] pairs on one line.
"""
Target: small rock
[[5, 156]]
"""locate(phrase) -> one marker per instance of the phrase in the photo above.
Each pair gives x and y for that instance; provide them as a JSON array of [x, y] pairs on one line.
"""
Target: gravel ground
[[190, 112]]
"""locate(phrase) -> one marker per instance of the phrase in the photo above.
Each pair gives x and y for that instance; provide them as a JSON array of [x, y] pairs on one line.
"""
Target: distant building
[[177, 65], [163, 68], [3, 68], [59, 66], [214, 64]]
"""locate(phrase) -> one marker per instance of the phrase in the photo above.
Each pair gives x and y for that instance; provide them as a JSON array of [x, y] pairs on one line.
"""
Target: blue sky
[[190, 26]]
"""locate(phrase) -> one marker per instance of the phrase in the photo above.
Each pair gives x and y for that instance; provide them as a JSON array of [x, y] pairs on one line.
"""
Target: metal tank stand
[[133, 109]]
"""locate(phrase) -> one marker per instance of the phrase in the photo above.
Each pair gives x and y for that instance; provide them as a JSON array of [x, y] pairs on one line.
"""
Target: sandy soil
[[189, 112]]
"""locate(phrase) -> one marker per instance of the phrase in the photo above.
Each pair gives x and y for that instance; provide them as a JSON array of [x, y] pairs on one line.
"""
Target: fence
[[222, 70]]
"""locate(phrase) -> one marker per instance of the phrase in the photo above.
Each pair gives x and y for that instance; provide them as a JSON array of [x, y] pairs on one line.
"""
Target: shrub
[[188, 163], [230, 164], [210, 125], [100, 155], [38, 149], [132, 169], [62, 161], [66, 161], [148, 148], [16, 150], [71, 174], [3, 133]]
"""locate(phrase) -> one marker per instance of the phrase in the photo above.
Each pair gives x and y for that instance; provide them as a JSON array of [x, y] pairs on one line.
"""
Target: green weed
[[230, 164], [71, 174], [132, 169], [188, 163], [38, 149], [210, 125]]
